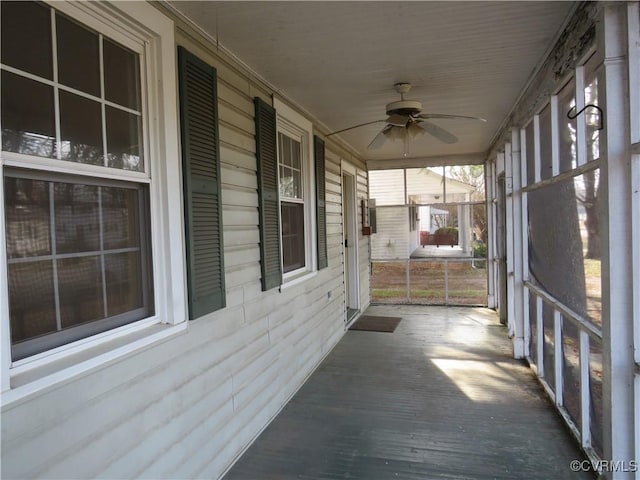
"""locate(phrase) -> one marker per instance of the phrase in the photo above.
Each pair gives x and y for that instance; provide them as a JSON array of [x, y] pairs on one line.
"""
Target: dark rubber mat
[[371, 323]]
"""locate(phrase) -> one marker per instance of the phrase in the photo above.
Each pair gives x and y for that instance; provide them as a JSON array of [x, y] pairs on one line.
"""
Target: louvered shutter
[[321, 214], [268, 199], [201, 176]]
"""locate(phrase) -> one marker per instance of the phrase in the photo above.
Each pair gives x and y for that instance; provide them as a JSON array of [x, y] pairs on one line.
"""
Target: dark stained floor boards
[[440, 398]]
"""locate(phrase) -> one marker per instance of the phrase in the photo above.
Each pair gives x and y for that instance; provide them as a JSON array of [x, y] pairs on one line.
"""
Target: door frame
[[351, 259]]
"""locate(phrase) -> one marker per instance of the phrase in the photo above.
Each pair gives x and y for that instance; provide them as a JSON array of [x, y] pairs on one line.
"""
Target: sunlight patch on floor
[[480, 381]]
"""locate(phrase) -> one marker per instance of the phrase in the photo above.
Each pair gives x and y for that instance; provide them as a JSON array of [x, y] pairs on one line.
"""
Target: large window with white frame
[[295, 180], [77, 192]]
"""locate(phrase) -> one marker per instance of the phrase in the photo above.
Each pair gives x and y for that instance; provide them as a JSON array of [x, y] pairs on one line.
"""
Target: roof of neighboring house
[[453, 186]]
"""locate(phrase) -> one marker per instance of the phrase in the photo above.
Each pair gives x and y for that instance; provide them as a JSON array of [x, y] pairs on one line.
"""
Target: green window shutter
[[321, 211], [268, 199], [201, 176]]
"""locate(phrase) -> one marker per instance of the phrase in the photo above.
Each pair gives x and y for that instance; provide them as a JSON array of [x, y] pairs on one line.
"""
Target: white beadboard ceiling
[[340, 60]]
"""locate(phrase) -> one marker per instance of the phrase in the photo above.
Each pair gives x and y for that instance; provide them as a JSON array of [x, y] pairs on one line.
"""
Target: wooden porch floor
[[440, 398]]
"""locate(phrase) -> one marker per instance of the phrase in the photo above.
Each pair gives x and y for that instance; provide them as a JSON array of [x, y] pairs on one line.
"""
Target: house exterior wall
[[391, 241], [414, 236], [188, 406]]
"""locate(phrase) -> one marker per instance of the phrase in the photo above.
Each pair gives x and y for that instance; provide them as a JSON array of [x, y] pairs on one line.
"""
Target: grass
[[402, 293], [466, 285], [592, 267]]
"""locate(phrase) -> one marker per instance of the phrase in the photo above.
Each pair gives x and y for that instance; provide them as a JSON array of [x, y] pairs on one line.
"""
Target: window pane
[[31, 300], [284, 148], [27, 217], [290, 167], [121, 75], [297, 184], [120, 217], [26, 37], [28, 122], [77, 218], [78, 56], [80, 287], [124, 149], [124, 282], [295, 155], [83, 281], [81, 129], [293, 254]]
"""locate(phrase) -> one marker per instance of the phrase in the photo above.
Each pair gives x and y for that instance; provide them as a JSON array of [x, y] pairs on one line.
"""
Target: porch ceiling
[[339, 60]]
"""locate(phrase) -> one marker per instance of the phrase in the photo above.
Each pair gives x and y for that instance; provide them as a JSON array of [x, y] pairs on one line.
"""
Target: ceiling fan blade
[[354, 126], [379, 139], [398, 120], [439, 133], [452, 117]]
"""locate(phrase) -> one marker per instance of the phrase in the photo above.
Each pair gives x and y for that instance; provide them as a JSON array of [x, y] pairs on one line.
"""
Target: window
[[291, 202], [291, 195], [78, 196], [295, 175]]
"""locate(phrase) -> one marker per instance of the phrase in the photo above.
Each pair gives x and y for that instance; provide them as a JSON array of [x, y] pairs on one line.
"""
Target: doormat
[[376, 324]]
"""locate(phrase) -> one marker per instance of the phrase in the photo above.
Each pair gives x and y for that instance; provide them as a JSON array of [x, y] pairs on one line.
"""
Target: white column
[[517, 246], [617, 275], [490, 189]]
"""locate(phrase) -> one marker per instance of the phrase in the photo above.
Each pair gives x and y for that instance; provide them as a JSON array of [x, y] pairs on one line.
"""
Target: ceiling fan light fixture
[[396, 133], [414, 130]]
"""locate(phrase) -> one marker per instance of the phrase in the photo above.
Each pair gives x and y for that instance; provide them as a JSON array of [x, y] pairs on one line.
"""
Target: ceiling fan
[[405, 121]]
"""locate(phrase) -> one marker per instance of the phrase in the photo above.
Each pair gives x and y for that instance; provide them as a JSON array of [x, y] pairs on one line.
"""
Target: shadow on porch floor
[[440, 398]]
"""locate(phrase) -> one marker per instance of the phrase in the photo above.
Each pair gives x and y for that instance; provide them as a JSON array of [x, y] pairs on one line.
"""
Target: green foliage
[[479, 249]]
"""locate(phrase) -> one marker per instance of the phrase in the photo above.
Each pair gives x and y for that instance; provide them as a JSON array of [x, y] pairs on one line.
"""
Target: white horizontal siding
[[387, 187], [187, 407], [392, 237]]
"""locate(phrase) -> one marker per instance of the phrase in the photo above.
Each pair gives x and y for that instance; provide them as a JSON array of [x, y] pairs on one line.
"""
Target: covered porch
[[440, 397]]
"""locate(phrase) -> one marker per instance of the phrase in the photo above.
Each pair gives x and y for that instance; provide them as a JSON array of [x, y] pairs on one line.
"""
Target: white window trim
[[136, 25], [295, 125]]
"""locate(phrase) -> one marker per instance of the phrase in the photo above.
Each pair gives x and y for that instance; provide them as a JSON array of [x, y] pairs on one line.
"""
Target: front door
[[350, 242]]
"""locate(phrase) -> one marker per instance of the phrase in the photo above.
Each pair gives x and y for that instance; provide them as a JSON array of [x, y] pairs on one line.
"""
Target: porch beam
[[477, 158]]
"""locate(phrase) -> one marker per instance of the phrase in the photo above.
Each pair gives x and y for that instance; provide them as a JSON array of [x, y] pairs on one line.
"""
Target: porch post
[[490, 205], [516, 239], [617, 274]]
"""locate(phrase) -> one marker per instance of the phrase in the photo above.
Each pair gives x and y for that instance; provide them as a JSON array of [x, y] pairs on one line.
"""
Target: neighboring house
[[398, 226]]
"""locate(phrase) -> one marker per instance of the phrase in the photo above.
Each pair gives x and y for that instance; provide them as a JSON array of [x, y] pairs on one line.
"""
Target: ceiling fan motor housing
[[404, 107]]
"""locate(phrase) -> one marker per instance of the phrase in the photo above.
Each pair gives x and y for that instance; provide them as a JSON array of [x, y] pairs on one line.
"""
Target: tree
[[473, 175]]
